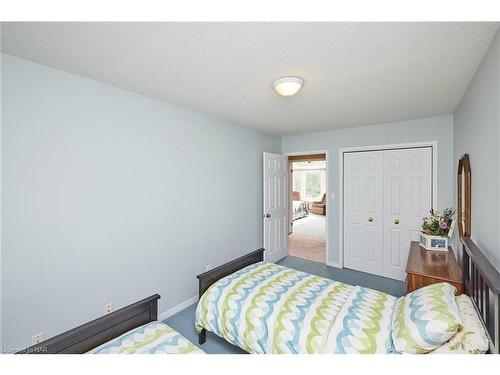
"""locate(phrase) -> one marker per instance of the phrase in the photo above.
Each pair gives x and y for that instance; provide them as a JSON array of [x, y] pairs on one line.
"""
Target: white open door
[[275, 206]]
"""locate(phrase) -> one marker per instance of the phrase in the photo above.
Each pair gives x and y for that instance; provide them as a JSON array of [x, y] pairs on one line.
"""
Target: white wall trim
[[342, 151], [174, 310], [328, 197], [333, 264]]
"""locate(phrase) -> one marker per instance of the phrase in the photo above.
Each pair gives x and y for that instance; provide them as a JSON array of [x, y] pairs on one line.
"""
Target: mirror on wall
[[464, 196]]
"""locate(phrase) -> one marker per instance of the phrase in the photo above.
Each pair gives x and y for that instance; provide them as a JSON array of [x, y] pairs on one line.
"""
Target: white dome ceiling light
[[288, 86]]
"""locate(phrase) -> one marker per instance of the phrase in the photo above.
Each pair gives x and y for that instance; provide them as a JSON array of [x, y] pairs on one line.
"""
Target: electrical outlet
[[208, 267], [38, 338], [108, 308]]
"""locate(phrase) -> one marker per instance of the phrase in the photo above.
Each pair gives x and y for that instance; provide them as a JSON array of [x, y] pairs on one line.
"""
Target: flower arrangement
[[436, 230], [440, 223]]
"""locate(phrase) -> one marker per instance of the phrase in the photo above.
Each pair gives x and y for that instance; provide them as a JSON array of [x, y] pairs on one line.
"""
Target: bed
[[151, 338], [268, 308], [133, 329], [300, 209]]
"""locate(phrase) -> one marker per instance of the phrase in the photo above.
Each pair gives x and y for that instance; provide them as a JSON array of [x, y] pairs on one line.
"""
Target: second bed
[[266, 308]]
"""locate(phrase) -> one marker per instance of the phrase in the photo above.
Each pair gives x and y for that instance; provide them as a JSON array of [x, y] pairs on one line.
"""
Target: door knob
[[396, 221], [370, 219], [267, 216]]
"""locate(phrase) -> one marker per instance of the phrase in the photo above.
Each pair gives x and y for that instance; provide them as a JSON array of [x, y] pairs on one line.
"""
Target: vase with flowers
[[437, 229]]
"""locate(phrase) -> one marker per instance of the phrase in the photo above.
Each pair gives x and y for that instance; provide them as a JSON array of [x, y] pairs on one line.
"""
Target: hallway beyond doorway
[[308, 240]]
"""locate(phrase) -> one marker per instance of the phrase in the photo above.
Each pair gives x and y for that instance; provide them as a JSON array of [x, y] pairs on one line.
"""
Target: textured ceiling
[[355, 73]]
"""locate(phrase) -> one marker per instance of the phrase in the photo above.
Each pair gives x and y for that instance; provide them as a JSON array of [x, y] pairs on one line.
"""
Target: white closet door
[[407, 199], [363, 211]]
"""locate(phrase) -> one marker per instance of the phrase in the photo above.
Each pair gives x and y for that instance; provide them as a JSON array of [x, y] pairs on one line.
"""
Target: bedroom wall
[[1, 287], [110, 196], [428, 129], [477, 133]]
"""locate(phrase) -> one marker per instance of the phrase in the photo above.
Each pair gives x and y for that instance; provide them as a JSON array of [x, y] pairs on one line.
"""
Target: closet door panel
[[363, 234], [407, 199], [353, 239], [420, 188], [373, 207]]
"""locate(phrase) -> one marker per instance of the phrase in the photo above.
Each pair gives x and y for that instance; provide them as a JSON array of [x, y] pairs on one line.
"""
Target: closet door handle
[[396, 221], [370, 219]]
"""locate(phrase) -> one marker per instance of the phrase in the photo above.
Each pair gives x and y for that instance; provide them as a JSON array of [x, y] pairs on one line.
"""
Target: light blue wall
[[477, 132], [438, 129], [110, 196]]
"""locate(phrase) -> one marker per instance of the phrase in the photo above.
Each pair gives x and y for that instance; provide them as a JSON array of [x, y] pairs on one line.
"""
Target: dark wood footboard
[[208, 278], [482, 285]]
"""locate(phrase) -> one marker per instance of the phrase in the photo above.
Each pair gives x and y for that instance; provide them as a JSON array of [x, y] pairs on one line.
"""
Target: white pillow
[[471, 339], [425, 319]]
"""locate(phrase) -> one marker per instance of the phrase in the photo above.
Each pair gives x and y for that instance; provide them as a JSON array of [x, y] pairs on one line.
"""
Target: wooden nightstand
[[426, 267]]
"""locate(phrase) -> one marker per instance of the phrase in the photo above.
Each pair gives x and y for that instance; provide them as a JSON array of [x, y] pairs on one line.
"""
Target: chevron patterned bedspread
[[151, 338], [268, 308]]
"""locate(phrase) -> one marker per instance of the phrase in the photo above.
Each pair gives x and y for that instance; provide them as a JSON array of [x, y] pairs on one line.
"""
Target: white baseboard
[[333, 264], [174, 310]]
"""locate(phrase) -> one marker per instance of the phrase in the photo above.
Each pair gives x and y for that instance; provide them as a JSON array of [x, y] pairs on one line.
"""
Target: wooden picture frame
[[464, 197]]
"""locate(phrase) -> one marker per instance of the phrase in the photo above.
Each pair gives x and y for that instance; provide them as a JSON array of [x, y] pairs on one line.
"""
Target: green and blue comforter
[[268, 308], [151, 338]]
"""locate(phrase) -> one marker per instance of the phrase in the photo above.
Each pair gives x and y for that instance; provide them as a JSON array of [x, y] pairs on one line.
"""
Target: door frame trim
[[396, 146], [328, 204]]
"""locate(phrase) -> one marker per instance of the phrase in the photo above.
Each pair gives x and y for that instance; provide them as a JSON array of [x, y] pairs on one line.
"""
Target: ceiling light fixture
[[288, 86]]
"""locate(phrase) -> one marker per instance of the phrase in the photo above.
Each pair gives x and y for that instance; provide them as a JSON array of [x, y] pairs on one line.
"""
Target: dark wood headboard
[[482, 285], [208, 278], [99, 331]]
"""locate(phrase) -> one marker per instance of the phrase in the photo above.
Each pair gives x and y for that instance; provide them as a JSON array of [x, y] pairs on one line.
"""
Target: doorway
[[307, 216]]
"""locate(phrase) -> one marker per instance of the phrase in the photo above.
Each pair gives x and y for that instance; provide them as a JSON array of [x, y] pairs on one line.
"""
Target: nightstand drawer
[[426, 267], [414, 282]]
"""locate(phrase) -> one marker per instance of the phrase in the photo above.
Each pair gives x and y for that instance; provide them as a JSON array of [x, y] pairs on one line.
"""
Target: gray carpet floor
[[183, 321]]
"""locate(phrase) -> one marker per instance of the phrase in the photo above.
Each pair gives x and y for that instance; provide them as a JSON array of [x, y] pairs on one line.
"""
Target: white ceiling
[[355, 73]]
